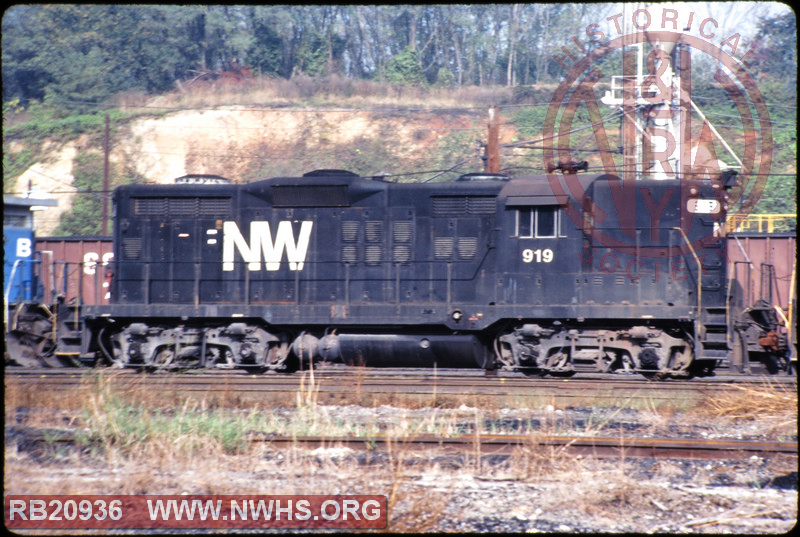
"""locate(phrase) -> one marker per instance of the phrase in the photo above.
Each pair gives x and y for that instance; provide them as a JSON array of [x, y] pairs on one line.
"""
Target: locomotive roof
[[537, 189], [340, 188], [362, 186]]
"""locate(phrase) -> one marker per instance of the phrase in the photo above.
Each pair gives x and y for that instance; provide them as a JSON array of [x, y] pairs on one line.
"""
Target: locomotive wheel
[[29, 342], [164, 357], [30, 350], [503, 353], [648, 361], [559, 365], [278, 358], [681, 362]]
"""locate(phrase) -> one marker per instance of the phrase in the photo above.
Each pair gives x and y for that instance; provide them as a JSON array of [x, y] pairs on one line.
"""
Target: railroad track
[[488, 445], [600, 447], [333, 385]]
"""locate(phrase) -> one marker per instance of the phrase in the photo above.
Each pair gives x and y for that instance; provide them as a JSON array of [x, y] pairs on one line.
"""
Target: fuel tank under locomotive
[[242, 344], [393, 350]]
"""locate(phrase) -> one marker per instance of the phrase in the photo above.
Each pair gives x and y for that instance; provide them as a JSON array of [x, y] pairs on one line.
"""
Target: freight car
[[25, 317], [541, 274], [47, 282]]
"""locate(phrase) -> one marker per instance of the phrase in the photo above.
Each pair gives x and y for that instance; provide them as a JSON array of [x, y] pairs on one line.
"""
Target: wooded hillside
[[87, 53], [411, 85]]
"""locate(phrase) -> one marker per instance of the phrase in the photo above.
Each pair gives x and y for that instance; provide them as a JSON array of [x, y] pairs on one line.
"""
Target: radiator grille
[[150, 206], [374, 231], [443, 247], [402, 234], [349, 253], [463, 205], [402, 231], [182, 207], [482, 205], [132, 248], [401, 253], [215, 206], [467, 247], [349, 231], [373, 254]]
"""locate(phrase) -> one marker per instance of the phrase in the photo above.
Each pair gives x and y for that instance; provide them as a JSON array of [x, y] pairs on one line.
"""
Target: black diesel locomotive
[[542, 274]]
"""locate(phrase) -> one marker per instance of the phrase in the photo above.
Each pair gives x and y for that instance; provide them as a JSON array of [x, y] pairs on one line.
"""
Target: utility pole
[[493, 145], [104, 196]]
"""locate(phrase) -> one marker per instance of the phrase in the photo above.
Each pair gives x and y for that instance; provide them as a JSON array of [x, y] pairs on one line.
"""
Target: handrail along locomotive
[[486, 271]]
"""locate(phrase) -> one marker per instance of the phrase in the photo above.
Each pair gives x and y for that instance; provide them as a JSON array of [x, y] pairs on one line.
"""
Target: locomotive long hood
[[336, 191]]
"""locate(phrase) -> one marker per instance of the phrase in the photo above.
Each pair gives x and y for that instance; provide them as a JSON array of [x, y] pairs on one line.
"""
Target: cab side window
[[538, 222], [546, 221]]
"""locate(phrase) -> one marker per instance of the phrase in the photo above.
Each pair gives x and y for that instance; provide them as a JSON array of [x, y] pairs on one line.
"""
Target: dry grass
[[163, 442], [155, 443], [617, 494], [535, 461], [323, 91], [766, 402]]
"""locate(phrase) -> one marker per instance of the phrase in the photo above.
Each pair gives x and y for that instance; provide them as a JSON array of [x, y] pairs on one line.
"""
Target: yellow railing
[[763, 223]]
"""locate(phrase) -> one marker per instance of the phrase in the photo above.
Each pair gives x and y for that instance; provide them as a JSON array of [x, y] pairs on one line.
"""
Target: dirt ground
[[534, 490]]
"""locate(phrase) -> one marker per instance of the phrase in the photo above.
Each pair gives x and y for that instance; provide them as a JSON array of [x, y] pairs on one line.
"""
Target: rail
[[591, 446], [493, 444], [343, 383]]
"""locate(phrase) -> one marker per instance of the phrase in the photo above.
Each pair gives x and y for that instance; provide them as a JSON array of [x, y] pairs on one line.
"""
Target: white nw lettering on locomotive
[[261, 242]]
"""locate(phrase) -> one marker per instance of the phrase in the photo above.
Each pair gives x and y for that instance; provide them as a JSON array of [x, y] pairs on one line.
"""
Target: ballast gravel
[[537, 490]]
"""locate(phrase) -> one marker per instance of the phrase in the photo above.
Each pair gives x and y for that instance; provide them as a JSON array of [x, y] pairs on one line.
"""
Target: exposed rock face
[[244, 144]]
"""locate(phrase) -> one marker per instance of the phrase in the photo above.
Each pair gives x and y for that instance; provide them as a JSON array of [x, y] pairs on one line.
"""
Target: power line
[[337, 129], [727, 101], [303, 110], [737, 117]]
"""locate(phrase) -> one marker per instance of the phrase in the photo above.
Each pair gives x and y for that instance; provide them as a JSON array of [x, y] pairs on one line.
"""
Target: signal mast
[[655, 96], [654, 102]]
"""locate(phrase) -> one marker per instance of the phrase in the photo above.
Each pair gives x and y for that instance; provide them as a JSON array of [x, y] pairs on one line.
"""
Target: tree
[[404, 68], [23, 77], [776, 49], [87, 206], [774, 62], [445, 78], [87, 53]]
